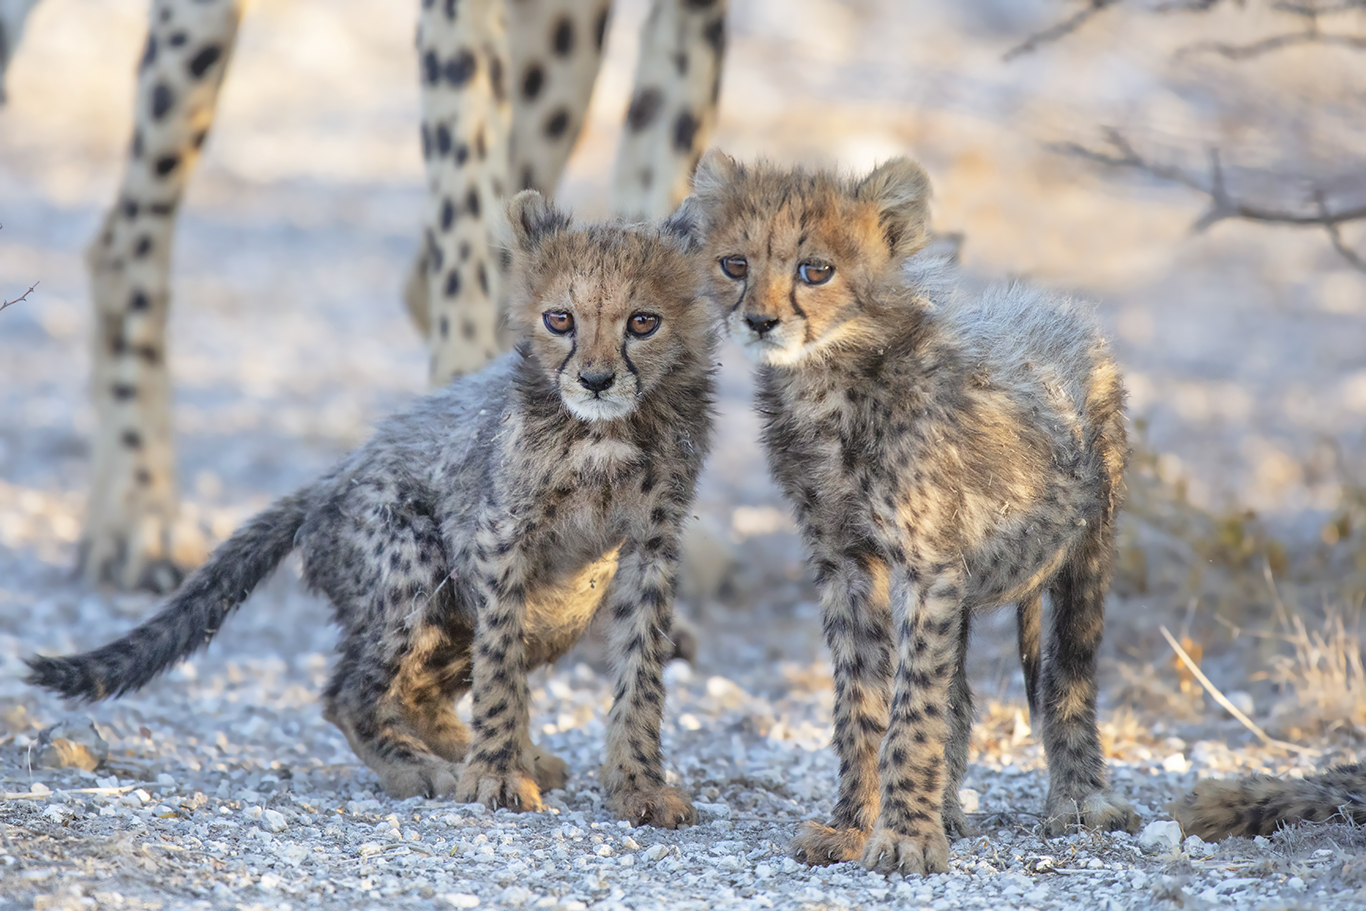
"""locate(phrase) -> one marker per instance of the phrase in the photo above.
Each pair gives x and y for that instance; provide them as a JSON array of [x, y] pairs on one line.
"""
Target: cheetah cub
[[941, 457], [478, 533]]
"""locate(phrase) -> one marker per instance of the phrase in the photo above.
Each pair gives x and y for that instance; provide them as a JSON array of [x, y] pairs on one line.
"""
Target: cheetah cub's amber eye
[[735, 266], [558, 321], [642, 325], [814, 273]]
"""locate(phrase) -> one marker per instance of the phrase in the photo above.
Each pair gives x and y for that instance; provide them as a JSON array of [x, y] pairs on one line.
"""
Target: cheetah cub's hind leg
[[404, 726], [1077, 791]]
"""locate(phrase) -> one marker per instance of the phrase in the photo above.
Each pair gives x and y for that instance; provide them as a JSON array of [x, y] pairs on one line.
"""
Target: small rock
[[274, 821], [1195, 846], [656, 852], [1176, 762], [1162, 835], [74, 742], [969, 800], [712, 810], [461, 900], [1295, 883]]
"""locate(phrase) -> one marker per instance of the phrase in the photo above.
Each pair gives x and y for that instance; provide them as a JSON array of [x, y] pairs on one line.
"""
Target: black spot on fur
[[644, 110], [685, 131], [563, 40], [204, 60], [533, 81]]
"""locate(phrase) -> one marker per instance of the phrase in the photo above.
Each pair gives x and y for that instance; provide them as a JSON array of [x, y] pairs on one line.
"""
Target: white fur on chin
[[586, 407]]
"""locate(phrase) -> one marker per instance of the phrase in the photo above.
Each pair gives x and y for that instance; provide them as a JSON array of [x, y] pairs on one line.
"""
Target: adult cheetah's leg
[[1077, 793], [128, 533], [857, 621], [554, 53], [466, 118], [12, 16], [909, 837], [640, 613], [673, 105]]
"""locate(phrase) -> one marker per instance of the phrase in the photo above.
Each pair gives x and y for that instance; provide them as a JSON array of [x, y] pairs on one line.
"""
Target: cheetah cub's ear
[[900, 189], [686, 225], [531, 219], [715, 173]]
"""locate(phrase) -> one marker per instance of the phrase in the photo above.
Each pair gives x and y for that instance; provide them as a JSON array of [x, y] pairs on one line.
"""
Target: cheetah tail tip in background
[[1261, 804], [191, 617]]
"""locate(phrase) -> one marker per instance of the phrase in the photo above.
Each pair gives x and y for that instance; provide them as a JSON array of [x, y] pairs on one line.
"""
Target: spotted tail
[[190, 619]]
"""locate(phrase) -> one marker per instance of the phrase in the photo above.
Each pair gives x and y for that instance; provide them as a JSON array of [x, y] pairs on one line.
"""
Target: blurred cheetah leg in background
[[466, 119], [12, 16], [673, 106], [503, 103], [128, 538]]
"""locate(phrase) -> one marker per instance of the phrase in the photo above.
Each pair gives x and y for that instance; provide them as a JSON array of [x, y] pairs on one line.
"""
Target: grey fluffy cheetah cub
[[477, 534], [942, 457]]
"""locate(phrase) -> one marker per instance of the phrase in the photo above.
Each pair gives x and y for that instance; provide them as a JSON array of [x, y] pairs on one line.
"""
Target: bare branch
[[1060, 29], [9, 303], [1274, 43], [24, 296], [1222, 204]]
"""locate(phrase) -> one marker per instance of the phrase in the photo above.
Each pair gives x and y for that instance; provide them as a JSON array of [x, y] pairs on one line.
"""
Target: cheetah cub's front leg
[[640, 611], [856, 616], [501, 769]]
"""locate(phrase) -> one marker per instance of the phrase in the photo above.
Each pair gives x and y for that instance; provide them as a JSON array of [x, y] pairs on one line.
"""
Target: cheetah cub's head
[[605, 311], [799, 262]]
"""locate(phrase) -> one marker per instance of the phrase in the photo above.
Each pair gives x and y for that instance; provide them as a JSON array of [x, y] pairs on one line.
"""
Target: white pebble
[[1162, 835], [655, 852], [461, 900], [1177, 763], [370, 848], [274, 821], [714, 810], [969, 800]]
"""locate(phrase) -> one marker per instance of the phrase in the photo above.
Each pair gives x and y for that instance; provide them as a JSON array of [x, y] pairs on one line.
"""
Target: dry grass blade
[[1229, 706]]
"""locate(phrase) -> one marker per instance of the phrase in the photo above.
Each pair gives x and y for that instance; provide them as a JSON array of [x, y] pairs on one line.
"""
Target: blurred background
[[1104, 149]]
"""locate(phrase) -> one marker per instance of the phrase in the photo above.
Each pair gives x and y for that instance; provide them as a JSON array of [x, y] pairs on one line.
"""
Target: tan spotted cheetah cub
[[942, 456], [476, 535]]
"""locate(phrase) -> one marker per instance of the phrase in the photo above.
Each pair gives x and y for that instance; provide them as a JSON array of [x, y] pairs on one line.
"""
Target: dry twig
[[1059, 30], [1229, 706], [1224, 205]]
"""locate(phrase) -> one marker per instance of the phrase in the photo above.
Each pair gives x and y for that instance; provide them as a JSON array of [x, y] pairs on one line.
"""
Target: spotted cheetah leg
[[12, 16], [960, 737], [128, 537], [501, 770], [466, 119], [640, 613], [1077, 792], [856, 616], [673, 105], [554, 48], [909, 836]]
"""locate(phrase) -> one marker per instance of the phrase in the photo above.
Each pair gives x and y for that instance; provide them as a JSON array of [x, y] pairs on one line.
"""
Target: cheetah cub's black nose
[[761, 324], [597, 381]]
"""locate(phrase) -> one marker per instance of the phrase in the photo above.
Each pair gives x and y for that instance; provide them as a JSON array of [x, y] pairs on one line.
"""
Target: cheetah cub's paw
[[819, 845], [891, 852], [421, 776], [548, 770], [1098, 810], [493, 788], [665, 807]]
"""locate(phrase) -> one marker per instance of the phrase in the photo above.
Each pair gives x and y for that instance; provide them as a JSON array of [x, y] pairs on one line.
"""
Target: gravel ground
[[224, 788]]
